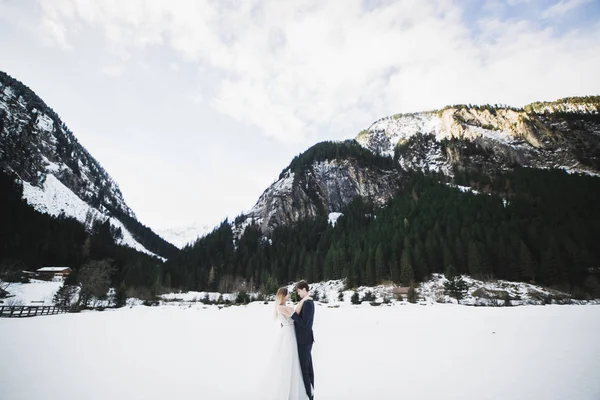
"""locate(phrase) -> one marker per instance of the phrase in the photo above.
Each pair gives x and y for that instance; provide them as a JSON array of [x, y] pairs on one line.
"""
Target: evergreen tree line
[[30, 239], [528, 225]]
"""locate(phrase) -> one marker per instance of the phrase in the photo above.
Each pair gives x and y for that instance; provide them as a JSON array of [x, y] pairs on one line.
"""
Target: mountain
[[185, 235], [564, 134], [59, 176], [323, 180], [493, 192]]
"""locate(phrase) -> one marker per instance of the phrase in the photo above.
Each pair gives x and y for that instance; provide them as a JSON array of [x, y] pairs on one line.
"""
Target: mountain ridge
[[562, 134], [36, 144]]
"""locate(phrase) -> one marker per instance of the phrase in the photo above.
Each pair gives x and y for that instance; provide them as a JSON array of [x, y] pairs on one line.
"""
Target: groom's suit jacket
[[303, 323]]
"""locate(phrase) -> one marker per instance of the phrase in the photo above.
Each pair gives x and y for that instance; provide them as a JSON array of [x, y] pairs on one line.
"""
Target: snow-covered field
[[35, 293], [438, 351]]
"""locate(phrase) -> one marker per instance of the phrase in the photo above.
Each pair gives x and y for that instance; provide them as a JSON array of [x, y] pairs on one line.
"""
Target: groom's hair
[[302, 285]]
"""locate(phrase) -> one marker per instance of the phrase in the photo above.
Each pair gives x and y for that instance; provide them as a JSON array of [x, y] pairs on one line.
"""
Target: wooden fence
[[32, 311]]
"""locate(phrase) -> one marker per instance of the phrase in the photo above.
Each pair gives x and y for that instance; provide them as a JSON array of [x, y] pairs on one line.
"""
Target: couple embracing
[[294, 346]]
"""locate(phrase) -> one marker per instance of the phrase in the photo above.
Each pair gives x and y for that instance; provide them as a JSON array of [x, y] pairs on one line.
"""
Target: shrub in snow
[[242, 298], [340, 296], [368, 296], [150, 303], [316, 296], [206, 300], [355, 299], [456, 287], [121, 295]]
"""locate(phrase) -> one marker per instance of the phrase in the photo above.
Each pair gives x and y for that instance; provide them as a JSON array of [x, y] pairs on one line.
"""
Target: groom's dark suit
[[303, 323]]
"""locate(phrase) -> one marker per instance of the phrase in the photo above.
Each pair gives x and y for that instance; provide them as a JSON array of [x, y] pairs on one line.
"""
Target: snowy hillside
[[58, 173], [35, 143], [56, 199], [184, 235]]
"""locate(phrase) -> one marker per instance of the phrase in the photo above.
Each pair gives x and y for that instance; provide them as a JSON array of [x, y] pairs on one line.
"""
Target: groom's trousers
[[308, 374]]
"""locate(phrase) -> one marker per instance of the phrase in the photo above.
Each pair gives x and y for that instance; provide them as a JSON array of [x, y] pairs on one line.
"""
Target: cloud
[[55, 33], [563, 7], [304, 69], [113, 71]]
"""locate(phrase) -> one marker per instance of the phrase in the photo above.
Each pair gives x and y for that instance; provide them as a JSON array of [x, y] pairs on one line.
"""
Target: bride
[[289, 384]]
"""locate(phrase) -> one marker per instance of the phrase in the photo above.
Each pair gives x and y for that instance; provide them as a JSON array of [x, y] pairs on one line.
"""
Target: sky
[[195, 106]]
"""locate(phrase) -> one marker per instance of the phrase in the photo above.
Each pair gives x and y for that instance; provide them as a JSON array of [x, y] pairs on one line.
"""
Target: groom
[[303, 323]]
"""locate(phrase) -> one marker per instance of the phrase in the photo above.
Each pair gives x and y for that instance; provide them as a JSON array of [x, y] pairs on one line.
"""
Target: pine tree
[[456, 287], [379, 263], [527, 263], [121, 295], [412, 293], [369, 273], [407, 274], [330, 259], [474, 259]]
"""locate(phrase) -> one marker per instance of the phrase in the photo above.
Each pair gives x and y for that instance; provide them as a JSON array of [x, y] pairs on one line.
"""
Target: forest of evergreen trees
[[528, 225], [30, 240]]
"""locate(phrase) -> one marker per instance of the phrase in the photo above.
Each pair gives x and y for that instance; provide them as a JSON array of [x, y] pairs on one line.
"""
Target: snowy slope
[[56, 199], [58, 174]]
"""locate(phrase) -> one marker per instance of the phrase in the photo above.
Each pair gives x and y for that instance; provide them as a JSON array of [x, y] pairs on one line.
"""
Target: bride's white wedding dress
[[287, 383]]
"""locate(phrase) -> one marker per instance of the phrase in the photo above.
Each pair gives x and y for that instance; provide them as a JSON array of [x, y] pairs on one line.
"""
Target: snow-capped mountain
[[59, 175], [184, 235], [563, 134]]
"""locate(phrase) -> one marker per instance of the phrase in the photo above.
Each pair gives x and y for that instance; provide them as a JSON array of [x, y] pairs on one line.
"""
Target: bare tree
[[8, 273], [94, 280]]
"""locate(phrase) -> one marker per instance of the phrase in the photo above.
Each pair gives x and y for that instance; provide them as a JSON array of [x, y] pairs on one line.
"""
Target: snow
[[36, 292], [56, 199], [364, 352], [401, 127], [519, 293], [44, 123], [464, 189], [50, 166], [333, 217], [194, 297], [52, 269], [128, 239]]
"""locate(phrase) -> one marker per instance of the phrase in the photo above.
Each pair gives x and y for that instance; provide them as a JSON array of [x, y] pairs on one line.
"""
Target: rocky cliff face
[[552, 135], [323, 188]]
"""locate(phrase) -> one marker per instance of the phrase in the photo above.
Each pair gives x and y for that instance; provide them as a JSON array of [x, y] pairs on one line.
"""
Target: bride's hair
[[279, 299]]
